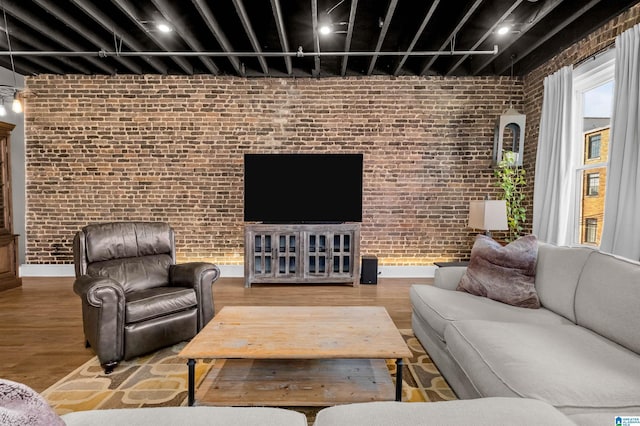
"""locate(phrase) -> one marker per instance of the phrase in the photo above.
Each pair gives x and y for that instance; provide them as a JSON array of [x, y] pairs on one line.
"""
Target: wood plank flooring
[[41, 337]]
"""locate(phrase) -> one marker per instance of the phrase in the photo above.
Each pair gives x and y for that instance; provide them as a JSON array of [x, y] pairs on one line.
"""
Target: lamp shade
[[490, 215]]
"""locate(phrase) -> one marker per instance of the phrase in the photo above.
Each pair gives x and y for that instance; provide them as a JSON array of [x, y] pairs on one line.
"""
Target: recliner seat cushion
[[568, 366], [157, 302]]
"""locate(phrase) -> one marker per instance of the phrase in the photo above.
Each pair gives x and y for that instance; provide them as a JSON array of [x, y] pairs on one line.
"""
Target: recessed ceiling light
[[503, 30], [162, 27]]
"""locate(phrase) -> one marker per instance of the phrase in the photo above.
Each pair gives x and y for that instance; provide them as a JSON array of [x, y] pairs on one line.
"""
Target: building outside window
[[590, 231], [593, 150], [593, 184]]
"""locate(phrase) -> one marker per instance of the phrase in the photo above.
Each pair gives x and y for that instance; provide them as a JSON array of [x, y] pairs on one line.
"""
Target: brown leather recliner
[[135, 299]]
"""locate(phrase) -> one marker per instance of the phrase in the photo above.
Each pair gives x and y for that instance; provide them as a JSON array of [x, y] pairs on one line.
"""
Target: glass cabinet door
[[262, 255], [317, 254], [342, 254], [287, 254]]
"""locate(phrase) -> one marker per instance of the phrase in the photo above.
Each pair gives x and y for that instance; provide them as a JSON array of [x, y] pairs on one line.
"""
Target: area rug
[[160, 380]]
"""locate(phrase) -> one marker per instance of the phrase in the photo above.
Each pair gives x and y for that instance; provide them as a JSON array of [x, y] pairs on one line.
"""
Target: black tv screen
[[303, 188]]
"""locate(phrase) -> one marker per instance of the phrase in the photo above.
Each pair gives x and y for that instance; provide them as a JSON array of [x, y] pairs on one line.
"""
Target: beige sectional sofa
[[484, 412], [579, 352]]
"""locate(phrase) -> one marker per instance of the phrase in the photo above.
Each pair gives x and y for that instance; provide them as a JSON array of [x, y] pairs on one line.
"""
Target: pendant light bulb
[[3, 110], [16, 106]]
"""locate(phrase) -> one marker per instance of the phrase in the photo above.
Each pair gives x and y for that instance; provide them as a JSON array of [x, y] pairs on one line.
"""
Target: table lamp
[[488, 215]]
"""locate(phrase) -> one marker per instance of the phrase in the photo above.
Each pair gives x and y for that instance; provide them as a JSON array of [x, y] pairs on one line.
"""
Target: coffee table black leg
[[399, 364], [191, 363]]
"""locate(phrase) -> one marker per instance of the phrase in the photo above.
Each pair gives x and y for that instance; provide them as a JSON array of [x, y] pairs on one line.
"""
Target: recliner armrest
[[92, 289], [103, 312], [193, 274], [200, 276]]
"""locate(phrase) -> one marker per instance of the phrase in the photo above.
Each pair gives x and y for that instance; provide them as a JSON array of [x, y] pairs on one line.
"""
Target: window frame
[[588, 75]]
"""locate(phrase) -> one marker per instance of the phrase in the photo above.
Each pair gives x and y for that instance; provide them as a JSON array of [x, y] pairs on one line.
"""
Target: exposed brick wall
[[170, 148], [596, 42]]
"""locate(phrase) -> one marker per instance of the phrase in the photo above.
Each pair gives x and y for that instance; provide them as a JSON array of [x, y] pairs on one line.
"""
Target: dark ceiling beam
[[111, 26], [463, 21], [42, 27], [316, 37], [347, 41], [33, 42], [486, 35], [25, 68], [169, 12], [282, 34], [530, 22], [128, 9], [42, 63], [539, 42], [246, 23], [207, 15], [85, 32], [417, 36], [383, 33]]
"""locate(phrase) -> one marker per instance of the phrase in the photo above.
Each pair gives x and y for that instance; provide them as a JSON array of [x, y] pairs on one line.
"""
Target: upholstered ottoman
[[477, 412], [192, 416]]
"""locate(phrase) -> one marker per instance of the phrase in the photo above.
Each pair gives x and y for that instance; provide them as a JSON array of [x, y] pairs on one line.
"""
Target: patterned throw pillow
[[503, 273], [22, 406]]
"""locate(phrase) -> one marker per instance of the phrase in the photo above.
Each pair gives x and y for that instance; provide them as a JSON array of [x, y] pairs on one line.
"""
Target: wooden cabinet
[[302, 254], [8, 241]]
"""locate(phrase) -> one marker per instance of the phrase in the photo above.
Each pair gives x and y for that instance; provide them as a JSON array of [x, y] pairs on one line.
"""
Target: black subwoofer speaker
[[369, 270]]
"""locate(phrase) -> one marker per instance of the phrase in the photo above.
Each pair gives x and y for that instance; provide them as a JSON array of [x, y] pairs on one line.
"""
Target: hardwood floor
[[41, 337]]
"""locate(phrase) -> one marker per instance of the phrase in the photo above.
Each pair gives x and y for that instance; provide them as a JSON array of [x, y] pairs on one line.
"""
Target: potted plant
[[511, 179]]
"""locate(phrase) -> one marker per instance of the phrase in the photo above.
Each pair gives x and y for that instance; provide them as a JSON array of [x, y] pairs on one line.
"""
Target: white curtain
[[553, 204], [621, 231]]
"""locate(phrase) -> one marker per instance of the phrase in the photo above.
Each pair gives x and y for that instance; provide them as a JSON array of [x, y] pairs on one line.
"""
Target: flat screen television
[[303, 188]]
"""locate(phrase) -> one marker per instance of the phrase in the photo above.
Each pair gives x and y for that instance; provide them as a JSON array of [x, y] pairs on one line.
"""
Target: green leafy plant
[[511, 179]]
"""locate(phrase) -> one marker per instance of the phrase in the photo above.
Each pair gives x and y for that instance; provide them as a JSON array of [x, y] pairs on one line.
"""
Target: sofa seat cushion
[[192, 416], [438, 307], [477, 412], [568, 366], [159, 301]]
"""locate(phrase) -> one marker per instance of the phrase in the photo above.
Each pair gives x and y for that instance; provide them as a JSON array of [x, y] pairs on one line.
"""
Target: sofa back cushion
[[607, 299], [557, 272]]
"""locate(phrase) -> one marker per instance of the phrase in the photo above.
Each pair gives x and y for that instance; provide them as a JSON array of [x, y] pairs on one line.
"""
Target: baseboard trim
[[31, 270]]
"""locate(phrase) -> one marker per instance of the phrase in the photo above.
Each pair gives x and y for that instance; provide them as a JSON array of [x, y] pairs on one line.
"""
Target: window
[[593, 150], [593, 85], [593, 184], [590, 230]]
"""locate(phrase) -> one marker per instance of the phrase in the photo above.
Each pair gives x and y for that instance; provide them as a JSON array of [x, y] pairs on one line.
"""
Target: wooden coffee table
[[297, 356]]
